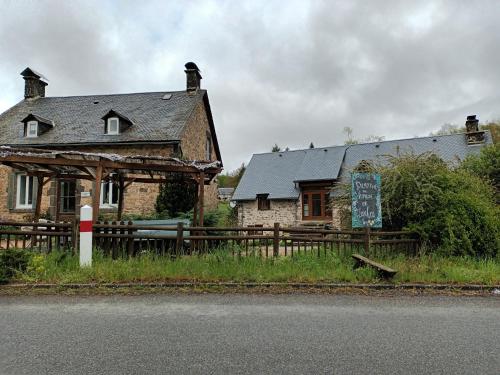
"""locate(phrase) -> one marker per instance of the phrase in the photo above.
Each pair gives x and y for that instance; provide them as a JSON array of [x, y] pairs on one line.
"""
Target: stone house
[[167, 123], [297, 187]]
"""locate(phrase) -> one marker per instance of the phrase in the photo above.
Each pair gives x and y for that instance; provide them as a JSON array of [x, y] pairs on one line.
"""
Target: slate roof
[[78, 119], [277, 173]]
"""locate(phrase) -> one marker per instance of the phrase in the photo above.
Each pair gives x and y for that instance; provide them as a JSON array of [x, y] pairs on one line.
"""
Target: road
[[249, 334]]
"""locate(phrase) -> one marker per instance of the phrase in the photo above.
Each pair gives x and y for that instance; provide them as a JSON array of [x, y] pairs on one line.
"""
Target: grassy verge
[[60, 268]]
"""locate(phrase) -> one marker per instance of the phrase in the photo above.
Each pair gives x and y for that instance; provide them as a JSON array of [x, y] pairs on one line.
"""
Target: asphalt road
[[248, 334]]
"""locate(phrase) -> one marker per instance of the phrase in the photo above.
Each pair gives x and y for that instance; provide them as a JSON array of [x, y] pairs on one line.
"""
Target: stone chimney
[[473, 135], [34, 84], [193, 77]]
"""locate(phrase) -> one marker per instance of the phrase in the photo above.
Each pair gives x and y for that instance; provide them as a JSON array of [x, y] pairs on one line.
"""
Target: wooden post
[[130, 242], [38, 198], [195, 208], [180, 240], [201, 180], [367, 240], [121, 192], [276, 239], [97, 193]]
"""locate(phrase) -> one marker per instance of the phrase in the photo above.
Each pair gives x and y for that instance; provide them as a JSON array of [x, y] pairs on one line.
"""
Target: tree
[[276, 148], [232, 178], [492, 126], [352, 141], [311, 145], [176, 197]]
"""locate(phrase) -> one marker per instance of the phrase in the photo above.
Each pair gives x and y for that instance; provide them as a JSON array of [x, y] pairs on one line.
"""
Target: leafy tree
[[176, 196], [492, 126], [231, 179], [276, 148]]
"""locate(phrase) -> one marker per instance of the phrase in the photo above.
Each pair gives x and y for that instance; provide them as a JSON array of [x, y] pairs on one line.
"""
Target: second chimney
[[193, 76], [34, 84], [473, 135]]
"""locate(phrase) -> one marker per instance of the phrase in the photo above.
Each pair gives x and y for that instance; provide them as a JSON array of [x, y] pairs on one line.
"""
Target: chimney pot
[[34, 84], [193, 76]]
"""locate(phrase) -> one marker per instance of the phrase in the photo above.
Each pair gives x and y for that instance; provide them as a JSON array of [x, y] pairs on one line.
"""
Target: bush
[[452, 210], [486, 165], [12, 261]]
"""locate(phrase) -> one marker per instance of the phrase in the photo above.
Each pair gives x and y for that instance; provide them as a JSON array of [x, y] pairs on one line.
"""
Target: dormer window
[[115, 123], [113, 126], [32, 129], [35, 126]]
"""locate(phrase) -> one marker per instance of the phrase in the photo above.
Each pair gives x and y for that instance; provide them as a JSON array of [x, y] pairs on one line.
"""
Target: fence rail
[[37, 236], [125, 239], [128, 239]]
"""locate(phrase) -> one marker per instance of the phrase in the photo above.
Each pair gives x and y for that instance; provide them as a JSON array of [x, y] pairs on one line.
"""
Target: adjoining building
[[295, 187]]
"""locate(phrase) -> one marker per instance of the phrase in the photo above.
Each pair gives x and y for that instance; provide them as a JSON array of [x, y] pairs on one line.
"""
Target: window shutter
[[35, 191], [11, 191]]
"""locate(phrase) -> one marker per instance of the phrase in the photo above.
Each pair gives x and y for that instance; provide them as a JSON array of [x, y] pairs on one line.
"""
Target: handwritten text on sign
[[366, 209]]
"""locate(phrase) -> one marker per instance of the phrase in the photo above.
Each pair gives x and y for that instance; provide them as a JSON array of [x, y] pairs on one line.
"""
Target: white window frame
[[108, 124], [101, 198], [26, 205], [28, 129]]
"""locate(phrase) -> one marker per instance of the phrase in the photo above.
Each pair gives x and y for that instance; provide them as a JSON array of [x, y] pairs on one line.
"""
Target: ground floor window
[[67, 196], [316, 205], [109, 194], [24, 191]]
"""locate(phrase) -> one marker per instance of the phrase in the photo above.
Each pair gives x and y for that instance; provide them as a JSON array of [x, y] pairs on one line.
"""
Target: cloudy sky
[[286, 72]]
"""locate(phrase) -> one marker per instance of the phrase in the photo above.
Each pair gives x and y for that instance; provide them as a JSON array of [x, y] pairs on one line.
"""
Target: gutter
[[84, 144]]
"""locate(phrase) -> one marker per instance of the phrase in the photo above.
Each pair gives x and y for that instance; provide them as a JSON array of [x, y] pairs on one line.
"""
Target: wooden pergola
[[46, 165]]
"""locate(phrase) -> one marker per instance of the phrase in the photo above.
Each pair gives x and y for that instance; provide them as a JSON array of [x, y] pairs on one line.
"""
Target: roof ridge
[[366, 143], [121, 94]]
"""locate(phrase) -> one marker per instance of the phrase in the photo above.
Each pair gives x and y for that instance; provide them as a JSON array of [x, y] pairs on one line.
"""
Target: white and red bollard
[[86, 236]]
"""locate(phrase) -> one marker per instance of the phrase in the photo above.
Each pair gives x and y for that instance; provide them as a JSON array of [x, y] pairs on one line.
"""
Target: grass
[[61, 268]]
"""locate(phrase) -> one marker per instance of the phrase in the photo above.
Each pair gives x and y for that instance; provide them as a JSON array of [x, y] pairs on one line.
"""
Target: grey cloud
[[285, 72]]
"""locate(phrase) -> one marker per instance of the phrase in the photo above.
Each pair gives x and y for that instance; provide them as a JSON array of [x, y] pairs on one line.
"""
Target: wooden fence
[[120, 239], [37, 236], [128, 239]]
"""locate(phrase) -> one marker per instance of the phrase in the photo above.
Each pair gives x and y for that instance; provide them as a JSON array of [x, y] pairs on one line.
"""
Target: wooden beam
[[97, 193], [121, 193], [201, 196], [87, 170], [38, 203], [195, 208]]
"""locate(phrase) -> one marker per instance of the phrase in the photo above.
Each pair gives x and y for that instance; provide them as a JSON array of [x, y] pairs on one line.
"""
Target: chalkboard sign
[[366, 209]]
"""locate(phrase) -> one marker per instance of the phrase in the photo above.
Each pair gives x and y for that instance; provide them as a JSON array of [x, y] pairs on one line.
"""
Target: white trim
[[108, 124], [28, 129], [24, 205]]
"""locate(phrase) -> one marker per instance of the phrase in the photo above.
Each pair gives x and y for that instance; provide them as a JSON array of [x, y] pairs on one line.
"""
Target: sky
[[285, 72]]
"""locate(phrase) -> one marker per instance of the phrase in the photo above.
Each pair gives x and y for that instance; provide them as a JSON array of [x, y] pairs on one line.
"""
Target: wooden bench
[[384, 271]]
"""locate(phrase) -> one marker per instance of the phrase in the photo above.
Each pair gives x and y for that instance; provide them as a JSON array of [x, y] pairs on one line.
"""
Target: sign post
[[86, 236], [366, 206]]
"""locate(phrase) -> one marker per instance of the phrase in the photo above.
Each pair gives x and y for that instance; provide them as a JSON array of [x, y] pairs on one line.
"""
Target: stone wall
[[193, 142], [285, 212]]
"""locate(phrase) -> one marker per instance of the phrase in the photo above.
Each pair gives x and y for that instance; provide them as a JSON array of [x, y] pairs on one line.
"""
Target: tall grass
[[220, 266]]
